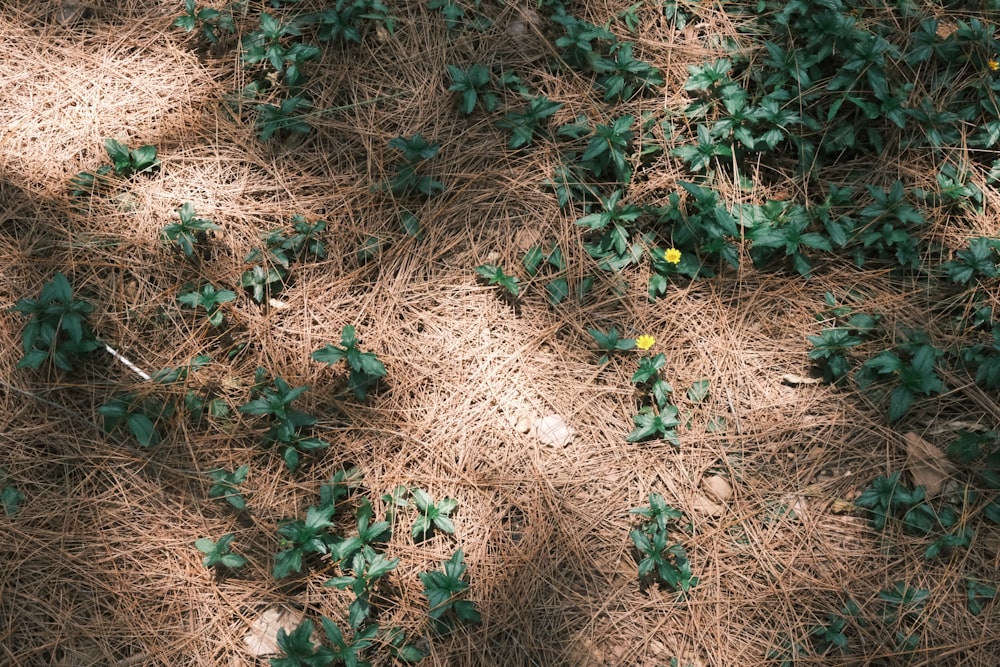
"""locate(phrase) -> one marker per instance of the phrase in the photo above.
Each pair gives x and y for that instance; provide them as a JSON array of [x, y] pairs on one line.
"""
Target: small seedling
[[189, 231], [431, 515], [10, 497], [525, 125], [660, 425], [494, 275], [977, 594], [416, 150], [365, 367], [914, 371], [288, 117], [138, 415], [648, 376], [126, 162], [473, 84], [302, 537], [286, 423], [610, 342], [226, 485], [298, 648], [661, 561], [346, 652], [57, 329], [213, 22], [442, 590], [208, 298], [218, 553]]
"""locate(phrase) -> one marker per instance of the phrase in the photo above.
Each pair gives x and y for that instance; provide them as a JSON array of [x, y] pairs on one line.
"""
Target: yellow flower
[[644, 342], [672, 255], [993, 64]]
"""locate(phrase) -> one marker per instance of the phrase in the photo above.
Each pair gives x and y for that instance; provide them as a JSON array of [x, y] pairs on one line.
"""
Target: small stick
[[135, 369]]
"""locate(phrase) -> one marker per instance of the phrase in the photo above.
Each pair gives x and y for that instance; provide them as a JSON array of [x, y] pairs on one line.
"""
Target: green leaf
[[698, 391], [11, 499]]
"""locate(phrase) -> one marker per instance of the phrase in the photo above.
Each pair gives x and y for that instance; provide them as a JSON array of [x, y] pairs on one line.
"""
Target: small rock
[[523, 423], [552, 430], [717, 488]]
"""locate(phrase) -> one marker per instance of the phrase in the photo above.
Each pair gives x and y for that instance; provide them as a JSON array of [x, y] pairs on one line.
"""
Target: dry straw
[[99, 567]]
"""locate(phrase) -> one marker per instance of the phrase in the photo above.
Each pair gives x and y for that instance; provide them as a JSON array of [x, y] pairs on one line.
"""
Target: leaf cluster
[[285, 423], [661, 560], [57, 328], [365, 368]]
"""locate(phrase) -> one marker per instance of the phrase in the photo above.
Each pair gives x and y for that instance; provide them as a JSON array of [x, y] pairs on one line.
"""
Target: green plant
[[494, 275], [189, 231], [213, 22], [138, 414], [288, 116], [887, 497], [979, 260], [615, 224], [262, 281], [10, 497], [345, 19], [219, 553], [577, 45], [607, 153], [830, 634], [208, 298], [57, 329], [363, 565], [271, 44], [286, 423], [300, 537], [366, 370], [347, 652], [127, 162], [432, 515], [473, 83], [781, 225], [622, 76], [886, 224], [298, 648], [701, 155], [442, 590], [976, 594], [610, 342], [660, 424], [912, 366], [525, 125], [416, 150], [647, 375], [659, 559], [225, 485]]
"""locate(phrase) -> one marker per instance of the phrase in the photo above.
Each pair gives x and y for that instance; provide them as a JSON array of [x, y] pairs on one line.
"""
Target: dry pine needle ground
[[99, 568]]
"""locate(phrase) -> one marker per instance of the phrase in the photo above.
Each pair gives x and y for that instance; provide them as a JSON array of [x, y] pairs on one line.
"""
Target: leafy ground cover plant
[[525, 125], [138, 414], [912, 365], [432, 515], [273, 261], [416, 151], [495, 275], [189, 231], [220, 553], [285, 423], [611, 342], [214, 23], [57, 328], [10, 497], [474, 86], [442, 590], [226, 485], [210, 299], [660, 560], [127, 162], [365, 368]]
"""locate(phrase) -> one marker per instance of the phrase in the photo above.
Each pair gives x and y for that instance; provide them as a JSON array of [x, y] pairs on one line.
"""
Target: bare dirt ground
[[98, 565]]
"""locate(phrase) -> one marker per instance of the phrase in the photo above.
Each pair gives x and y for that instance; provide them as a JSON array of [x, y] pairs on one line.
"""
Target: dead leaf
[[703, 505], [552, 430], [263, 636], [717, 488], [523, 422], [928, 465], [793, 379]]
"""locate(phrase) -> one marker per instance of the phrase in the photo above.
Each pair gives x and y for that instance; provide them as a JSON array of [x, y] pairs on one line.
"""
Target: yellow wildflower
[[993, 64], [672, 255], [644, 342]]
